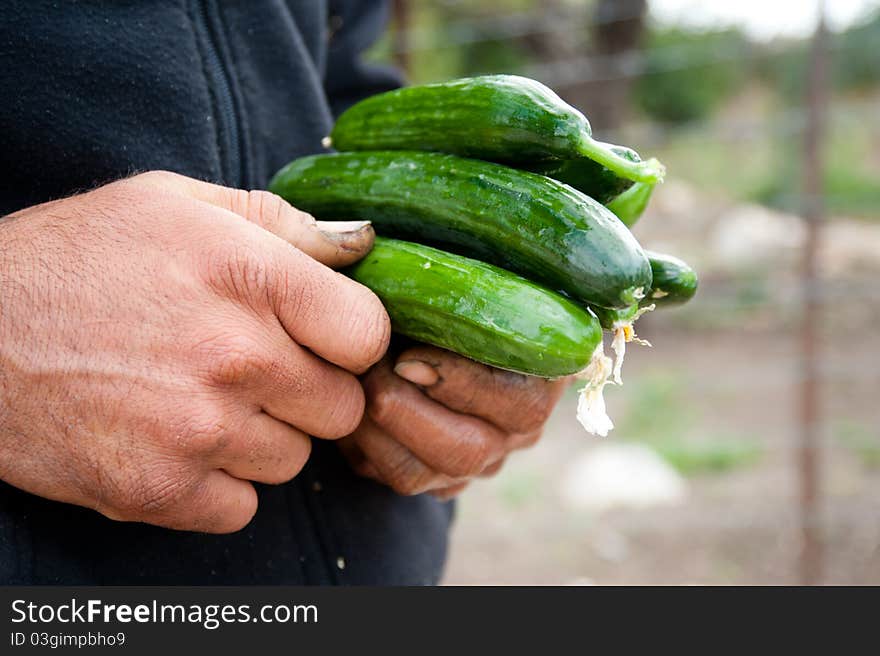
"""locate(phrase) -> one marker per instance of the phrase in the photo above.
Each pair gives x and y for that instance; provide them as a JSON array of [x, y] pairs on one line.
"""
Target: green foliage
[[661, 417], [518, 488], [851, 177], [450, 41], [492, 56], [856, 64], [859, 439], [785, 71], [720, 454], [688, 74], [656, 407]]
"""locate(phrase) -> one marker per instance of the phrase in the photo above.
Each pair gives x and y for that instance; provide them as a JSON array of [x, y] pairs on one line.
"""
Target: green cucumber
[[611, 320], [524, 222], [630, 204], [588, 176], [501, 118], [674, 281], [478, 310]]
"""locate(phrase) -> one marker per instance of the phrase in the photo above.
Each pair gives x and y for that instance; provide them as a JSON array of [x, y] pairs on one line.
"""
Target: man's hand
[[162, 344], [436, 420]]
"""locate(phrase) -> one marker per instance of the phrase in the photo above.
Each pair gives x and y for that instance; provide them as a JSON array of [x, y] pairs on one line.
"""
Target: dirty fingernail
[[418, 372], [342, 230]]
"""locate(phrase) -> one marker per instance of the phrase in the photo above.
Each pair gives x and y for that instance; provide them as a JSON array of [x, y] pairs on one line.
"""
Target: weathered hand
[[162, 344], [436, 420]]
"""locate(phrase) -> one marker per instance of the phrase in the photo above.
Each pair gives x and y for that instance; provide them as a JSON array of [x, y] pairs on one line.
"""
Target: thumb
[[333, 243]]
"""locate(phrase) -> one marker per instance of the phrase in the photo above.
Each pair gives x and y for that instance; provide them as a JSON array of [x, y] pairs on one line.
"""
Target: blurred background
[[747, 440]]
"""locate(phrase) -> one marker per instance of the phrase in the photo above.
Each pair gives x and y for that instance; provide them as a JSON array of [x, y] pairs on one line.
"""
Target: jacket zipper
[[219, 78]]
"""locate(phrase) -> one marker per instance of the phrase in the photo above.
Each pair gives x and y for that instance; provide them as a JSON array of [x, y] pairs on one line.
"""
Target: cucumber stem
[[630, 205], [624, 333], [650, 171]]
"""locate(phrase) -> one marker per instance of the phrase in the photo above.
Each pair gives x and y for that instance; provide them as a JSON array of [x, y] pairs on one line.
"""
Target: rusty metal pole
[[400, 36], [810, 412]]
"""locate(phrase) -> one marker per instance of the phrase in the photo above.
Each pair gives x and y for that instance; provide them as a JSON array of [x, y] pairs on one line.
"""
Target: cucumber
[[501, 118], [611, 320], [478, 310], [588, 176], [674, 281], [631, 203], [527, 223]]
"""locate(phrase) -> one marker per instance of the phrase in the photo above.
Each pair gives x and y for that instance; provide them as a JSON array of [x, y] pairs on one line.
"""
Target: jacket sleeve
[[355, 25]]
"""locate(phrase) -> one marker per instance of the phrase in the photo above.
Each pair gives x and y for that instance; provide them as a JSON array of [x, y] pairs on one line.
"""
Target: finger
[[338, 319], [335, 317], [333, 243], [296, 387], [523, 440], [220, 503], [394, 464], [265, 450], [514, 402], [454, 444], [356, 459], [447, 493], [223, 504], [492, 469], [350, 450]]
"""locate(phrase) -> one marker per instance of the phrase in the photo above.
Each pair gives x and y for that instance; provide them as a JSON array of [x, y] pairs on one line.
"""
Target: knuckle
[[154, 493], [492, 469], [300, 293], [536, 411], [471, 455], [244, 203], [290, 463], [408, 478], [529, 439], [231, 359], [208, 509], [156, 176], [530, 400], [406, 487], [239, 201], [347, 411], [262, 208], [241, 515], [237, 270], [372, 330], [383, 405], [202, 432]]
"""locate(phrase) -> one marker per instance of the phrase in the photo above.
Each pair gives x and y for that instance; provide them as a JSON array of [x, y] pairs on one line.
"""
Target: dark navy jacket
[[226, 91]]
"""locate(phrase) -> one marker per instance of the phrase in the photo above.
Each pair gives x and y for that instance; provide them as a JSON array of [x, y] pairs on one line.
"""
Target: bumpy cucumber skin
[[478, 310], [524, 222], [587, 176], [502, 118], [631, 203], [673, 278]]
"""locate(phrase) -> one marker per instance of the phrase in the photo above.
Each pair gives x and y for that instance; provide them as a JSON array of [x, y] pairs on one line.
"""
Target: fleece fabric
[[226, 91]]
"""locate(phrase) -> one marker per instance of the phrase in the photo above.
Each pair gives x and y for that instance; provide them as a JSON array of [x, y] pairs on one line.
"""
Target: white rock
[[620, 475], [748, 233], [848, 244]]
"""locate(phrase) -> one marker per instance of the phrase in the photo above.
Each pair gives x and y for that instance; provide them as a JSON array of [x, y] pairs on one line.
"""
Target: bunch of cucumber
[[503, 225]]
